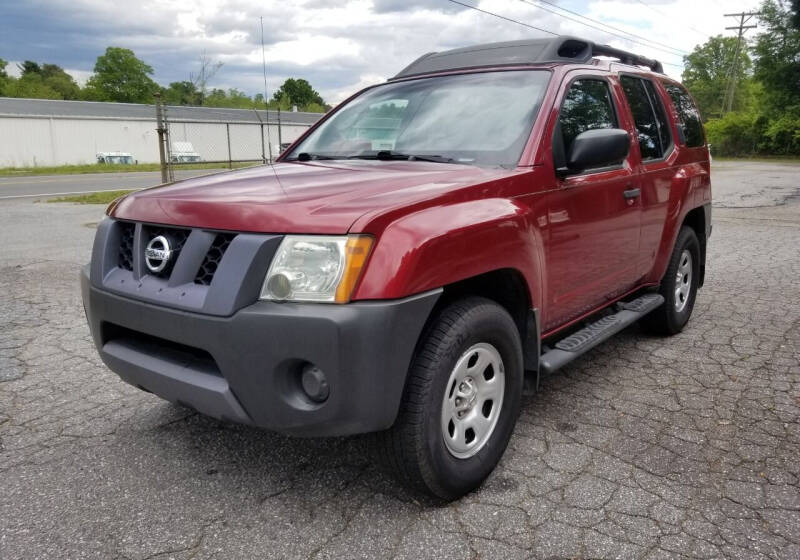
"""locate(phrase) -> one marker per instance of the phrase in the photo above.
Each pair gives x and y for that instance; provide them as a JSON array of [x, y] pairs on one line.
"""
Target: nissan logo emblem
[[157, 254]]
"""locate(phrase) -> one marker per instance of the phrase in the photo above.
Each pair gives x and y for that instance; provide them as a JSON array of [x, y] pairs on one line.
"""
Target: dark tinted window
[[651, 126], [587, 106], [688, 114], [661, 115]]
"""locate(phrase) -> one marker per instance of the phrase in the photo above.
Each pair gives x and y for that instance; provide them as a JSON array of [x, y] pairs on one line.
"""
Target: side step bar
[[576, 344]]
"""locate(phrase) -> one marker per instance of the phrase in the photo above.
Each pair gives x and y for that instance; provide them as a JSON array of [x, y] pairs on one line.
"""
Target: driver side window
[[587, 106]]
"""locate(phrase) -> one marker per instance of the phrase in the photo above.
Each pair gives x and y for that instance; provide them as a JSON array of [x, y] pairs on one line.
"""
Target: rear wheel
[[461, 401], [679, 286]]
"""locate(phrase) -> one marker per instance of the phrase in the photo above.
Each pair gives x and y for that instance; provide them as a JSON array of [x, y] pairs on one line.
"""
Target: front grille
[[125, 255], [177, 237], [205, 273]]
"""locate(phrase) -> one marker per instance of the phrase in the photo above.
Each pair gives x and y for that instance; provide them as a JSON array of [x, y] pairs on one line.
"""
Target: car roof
[[557, 50]]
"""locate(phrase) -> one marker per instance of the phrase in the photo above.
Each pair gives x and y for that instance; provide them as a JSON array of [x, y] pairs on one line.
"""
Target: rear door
[[593, 219], [657, 153]]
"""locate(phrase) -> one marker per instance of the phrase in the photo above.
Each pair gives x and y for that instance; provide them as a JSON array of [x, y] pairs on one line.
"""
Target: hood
[[309, 197]]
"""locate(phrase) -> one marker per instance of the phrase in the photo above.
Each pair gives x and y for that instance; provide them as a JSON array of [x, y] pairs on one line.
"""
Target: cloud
[[387, 6], [338, 46]]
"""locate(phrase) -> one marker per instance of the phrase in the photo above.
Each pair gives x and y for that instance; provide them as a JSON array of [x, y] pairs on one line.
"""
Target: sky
[[338, 46]]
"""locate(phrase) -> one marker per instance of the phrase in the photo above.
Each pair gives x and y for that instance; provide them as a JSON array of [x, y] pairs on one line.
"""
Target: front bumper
[[245, 367]]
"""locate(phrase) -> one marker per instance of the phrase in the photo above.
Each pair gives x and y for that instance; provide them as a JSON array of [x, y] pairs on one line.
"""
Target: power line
[[503, 17], [703, 33], [612, 27], [677, 51], [487, 12]]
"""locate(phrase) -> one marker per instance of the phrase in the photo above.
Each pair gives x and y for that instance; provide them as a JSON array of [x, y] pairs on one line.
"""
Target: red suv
[[489, 212]]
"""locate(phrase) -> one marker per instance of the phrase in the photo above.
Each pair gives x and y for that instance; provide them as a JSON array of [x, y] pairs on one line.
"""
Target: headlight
[[316, 268]]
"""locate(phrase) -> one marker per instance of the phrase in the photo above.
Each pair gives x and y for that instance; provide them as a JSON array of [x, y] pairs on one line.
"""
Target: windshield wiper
[[305, 156], [392, 155]]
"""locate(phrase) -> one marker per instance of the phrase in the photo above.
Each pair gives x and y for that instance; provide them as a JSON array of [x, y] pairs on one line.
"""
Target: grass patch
[[92, 198], [109, 168]]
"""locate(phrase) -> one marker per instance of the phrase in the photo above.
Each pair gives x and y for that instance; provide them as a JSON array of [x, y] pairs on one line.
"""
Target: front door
[[593, 217]]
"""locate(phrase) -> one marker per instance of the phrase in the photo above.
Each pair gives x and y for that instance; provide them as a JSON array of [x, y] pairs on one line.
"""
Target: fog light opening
[[314, 383]]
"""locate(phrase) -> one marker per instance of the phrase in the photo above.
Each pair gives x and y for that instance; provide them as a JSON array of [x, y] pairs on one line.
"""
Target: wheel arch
[[698, 219], [506, 287]]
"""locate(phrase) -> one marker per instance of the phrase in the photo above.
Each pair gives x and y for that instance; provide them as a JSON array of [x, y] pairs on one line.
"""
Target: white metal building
[[35, 132]]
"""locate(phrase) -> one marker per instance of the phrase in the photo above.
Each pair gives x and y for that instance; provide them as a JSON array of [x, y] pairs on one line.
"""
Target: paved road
[[754, 184], [736, 184], [43, 185], [647, 447]]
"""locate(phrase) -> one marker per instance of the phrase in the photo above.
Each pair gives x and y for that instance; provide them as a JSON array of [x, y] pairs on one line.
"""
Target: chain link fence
[[46, 132], [224, 137]]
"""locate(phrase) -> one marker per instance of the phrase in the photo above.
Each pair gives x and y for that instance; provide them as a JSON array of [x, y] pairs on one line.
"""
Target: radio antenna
[[266, 99]]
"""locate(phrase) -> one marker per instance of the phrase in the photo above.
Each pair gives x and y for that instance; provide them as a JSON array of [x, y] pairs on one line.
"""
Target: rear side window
[[661, 115], [649, 117], [587, 106], [688, 114]]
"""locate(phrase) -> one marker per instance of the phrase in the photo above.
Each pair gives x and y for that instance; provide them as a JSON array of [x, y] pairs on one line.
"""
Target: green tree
[[216, 98], [120, 76], [298, 92], [45, 81], [777, 64], [30, 86], [707, 75], [736, 134], [29, 67], [58, 80], [4, 78], [315, 108], [182, 93], [281, 102], [233, 99]]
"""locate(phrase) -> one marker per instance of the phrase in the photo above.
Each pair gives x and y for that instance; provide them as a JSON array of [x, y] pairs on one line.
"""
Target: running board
[[578, 343]]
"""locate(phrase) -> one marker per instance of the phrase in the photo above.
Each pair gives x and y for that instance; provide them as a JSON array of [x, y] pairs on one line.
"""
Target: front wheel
[[461, 401], [679, 286]]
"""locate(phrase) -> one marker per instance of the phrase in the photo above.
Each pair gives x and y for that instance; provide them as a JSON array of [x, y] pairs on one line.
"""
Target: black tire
[[414, 449], [668, 319]]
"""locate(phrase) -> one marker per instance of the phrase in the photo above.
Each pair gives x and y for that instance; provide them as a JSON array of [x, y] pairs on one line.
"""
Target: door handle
[[631, 193]]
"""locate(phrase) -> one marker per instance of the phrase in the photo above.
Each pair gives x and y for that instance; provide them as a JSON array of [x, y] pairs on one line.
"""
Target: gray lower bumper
[[245, 367]]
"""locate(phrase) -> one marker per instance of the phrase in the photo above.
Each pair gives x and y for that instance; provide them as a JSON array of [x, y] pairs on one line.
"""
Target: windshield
[[119, 159], [480, 119]]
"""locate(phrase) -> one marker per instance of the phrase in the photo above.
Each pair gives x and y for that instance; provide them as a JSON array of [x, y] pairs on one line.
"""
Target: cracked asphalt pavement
[[645, 448]]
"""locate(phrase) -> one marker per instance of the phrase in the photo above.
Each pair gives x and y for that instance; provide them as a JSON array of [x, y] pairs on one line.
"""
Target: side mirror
[[598, 148]]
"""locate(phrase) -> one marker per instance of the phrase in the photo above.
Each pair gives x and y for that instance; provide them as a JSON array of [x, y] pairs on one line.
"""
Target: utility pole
[[744, 17], [162, 131], [167, 143]]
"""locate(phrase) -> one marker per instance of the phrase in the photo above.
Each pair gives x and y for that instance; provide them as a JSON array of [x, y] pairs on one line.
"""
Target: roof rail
[[627, 57], [513, 53]]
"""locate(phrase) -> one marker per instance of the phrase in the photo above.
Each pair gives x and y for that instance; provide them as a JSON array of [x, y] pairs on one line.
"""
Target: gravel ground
[[645, 448]]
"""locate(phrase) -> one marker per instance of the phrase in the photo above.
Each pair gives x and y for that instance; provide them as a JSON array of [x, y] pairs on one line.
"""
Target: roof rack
[[529, 51]]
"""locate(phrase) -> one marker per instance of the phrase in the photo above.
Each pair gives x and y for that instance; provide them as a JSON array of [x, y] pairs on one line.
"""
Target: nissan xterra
[[489, 212]]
